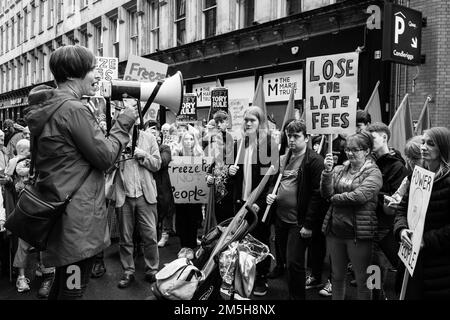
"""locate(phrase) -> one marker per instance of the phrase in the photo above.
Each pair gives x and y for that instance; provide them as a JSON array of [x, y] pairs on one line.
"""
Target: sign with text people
[[278, 86], [419, 196], [146, 70], [331, 93], [187, 176], [402, 34]]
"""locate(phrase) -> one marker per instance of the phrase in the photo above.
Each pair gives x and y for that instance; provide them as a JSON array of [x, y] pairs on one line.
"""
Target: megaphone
[[168, 92]]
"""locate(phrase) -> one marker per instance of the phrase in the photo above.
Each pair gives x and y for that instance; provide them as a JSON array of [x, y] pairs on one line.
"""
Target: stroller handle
[[253, 216]]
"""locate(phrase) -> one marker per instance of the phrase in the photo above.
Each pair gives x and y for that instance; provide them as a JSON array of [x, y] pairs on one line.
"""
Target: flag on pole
[[373, 106], [401, 126], [218, 84], [290, 112], [424, 122], [259, 100]]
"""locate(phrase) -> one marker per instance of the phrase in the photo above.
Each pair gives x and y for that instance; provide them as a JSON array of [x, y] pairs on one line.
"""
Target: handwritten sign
[[237, 108], [419, 196], [331, 93], [107, 68], [142, 69], [203, 91], [187, 176]]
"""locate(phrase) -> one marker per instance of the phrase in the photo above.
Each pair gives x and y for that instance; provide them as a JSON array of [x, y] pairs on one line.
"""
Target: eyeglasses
[[352, 150]]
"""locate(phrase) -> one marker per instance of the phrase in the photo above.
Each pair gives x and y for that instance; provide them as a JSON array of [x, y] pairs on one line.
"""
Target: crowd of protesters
[[333, 212]]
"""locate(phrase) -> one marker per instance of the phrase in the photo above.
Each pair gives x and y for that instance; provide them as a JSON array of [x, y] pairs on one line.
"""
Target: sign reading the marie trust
[[331, 93]]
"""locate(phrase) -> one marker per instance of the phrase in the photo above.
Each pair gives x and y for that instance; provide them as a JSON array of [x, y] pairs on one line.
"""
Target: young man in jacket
[[298, 205], [393, 169], [136, 195]]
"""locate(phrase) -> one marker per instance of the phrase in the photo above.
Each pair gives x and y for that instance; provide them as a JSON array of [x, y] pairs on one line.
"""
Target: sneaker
[[261, 287], [199, 242], [39, 270], [163, 241], [311, 283], [326, 291], [22, 284], [46, 285]]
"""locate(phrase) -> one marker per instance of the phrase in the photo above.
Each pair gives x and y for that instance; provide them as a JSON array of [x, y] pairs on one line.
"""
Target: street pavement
[[105, 288]]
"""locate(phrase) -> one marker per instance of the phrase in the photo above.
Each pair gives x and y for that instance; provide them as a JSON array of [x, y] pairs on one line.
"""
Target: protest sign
[[278, 86], [187, 176], [188, 111], [107, 68], [219, 101], [237, 108], [331, 93], [419, 196], [203, 91]]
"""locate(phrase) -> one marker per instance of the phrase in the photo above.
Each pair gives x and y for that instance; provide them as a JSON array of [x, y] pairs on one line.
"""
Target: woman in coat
[[431, 278], [71, 144], [351, 221]]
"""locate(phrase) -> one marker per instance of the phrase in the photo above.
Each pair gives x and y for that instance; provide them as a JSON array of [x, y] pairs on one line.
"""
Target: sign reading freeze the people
[[331, 93], [419, 196], [187, 175]]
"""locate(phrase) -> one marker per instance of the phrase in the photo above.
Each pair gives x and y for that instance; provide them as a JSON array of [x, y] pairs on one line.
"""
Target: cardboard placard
[[188, 110]]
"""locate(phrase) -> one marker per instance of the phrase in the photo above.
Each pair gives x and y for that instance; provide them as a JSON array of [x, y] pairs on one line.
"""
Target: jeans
[[144, 215], [316, 254], [188, 218], [293, 247], [21, 256], [71, 280], [359, 253]]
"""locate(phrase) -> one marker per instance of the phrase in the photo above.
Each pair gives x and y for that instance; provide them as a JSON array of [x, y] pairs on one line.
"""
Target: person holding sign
[[299, 206], [188, 215], [256, 152], [351, 222], [431, 278]]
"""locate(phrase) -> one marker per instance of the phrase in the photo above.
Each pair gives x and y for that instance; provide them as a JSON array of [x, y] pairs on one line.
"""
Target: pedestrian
[[71, 148], [298, 206], [136, 196], [259, 152], [393, 169], [188, 215], [431, 278], [350, 224], [363, 120]]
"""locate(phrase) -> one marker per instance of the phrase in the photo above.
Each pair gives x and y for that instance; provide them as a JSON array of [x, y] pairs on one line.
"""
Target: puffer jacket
[[432, 272], [71, 143], [360, 203]]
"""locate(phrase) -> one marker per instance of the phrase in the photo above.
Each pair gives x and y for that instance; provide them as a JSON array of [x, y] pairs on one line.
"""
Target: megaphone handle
[[152, 97], [135, 139], [108, 115], [141, 118]]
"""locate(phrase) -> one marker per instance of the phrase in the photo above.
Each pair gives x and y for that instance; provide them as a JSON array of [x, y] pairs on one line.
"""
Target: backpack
[[178, 280]]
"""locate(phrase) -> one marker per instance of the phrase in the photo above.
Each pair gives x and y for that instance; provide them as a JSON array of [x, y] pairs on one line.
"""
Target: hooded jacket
[[393, 170], [70, 143]]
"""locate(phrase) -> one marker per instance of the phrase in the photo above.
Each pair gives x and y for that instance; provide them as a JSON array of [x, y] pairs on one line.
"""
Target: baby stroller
[[216, 241]]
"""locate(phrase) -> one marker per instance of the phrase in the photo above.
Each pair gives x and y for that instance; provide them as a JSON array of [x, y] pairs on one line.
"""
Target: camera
[[127, 151]]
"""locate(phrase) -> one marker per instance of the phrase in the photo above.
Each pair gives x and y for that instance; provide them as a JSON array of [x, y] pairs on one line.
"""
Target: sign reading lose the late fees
[[187, 176], [419, 196], [331, 93]]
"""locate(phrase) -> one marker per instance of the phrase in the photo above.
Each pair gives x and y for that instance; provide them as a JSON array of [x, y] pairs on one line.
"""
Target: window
[[133, 32], [28, 70], [294, 6], [59, 10], [180, 21], [249, 13], [209, 10], [72, 5], [13, 74], [84, 4], [33, 20], [154, 23], [13, 31], [115, 36], [83, 36], [19, 28], [25, 25], [7, 37], [19, 72], [51, 13], [41, 61], [41, 16], [98, 39], [1, 43]]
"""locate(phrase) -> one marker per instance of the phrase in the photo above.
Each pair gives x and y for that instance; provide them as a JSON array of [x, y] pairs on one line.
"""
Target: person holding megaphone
[[71, 149]]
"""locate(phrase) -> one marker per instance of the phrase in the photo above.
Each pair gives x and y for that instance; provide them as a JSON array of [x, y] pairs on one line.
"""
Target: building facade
[[233, 42]]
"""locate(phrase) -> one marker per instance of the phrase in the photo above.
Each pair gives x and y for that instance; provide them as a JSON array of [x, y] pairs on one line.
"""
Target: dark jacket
[[393, 170], [360, 203], [433, 264], [311, 207], [70, 143], [166, 204], [262, 161]]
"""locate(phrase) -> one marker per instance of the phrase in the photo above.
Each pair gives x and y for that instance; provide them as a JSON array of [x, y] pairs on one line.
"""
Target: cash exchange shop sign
[[331, 93], [402, 34], [187, 176]]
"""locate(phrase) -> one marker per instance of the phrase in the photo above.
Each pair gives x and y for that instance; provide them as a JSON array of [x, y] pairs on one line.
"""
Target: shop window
[[209, 10], [180, 21]]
